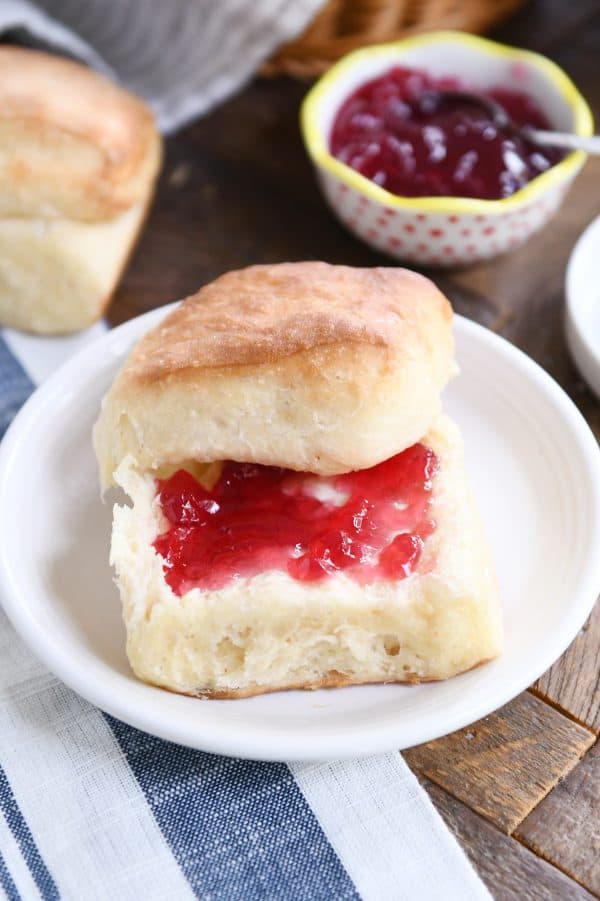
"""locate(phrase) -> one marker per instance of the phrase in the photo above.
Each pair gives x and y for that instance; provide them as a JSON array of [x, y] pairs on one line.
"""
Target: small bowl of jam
[[417, 171]]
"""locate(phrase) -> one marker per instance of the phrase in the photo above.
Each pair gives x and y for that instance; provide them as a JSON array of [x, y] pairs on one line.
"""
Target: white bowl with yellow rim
[[445, 230]]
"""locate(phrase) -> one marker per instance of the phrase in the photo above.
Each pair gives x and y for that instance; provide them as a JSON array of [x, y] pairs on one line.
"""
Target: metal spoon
[[501, 119]]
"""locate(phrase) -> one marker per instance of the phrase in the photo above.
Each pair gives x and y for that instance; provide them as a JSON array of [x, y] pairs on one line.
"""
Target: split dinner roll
[[320, 369], [78, 160]]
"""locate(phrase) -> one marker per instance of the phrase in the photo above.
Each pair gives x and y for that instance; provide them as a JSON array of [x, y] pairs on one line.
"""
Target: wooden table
[[521, 788]]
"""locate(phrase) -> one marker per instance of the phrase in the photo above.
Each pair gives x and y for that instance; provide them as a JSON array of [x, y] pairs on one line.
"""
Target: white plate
[[582, 319], [535, 468]]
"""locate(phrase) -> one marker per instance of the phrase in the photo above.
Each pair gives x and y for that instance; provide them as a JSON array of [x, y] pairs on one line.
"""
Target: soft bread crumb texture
[[271, 632], [57, 276], [314, 367]]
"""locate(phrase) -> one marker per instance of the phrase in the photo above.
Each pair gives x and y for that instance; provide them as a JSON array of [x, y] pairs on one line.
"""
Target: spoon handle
[[561, 139]]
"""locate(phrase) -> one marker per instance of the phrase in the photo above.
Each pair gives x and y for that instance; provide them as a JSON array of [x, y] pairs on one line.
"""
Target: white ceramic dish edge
[[582, 312]]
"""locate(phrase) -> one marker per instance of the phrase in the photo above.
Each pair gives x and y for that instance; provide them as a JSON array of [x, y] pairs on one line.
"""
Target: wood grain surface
[[236, 189], [503, 765], [509, 869], [573, 683], [565, 827]]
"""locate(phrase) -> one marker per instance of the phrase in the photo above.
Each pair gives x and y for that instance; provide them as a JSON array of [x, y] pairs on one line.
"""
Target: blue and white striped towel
[[94, 810]]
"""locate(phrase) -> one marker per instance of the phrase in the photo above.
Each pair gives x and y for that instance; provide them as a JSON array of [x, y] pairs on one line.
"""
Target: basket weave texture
[[344, 25]]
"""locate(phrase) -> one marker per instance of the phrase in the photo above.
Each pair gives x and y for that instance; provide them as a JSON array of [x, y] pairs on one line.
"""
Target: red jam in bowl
[[371, 523], [417, 146]]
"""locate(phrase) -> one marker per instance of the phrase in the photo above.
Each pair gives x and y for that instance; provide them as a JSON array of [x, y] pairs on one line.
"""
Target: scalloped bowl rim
[[561, 172]]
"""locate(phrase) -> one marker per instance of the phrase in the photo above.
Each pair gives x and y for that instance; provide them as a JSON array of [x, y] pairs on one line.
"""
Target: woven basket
[[344, 25]]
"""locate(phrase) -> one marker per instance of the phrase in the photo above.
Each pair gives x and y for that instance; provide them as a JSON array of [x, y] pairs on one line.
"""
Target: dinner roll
[[78, 161], [313, 367]]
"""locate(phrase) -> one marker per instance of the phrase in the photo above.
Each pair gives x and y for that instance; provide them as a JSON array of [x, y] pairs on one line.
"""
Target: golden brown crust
[[74, 144], [315, 367], [264, 313]]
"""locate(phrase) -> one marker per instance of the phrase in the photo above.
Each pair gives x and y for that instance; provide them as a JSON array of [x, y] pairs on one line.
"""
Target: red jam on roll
[[415, 147], [372, 523]]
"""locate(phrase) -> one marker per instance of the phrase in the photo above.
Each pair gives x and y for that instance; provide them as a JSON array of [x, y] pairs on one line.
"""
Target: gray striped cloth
[[182, 56]]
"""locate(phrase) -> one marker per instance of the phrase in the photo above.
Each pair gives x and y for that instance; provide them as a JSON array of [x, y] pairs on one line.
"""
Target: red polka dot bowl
[[444, 231]]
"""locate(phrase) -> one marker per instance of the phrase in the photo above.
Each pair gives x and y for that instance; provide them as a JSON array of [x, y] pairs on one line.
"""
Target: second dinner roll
[[79, 158], [313, 367]]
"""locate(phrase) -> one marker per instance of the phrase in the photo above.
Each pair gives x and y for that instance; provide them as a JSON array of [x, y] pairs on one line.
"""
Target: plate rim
[[584, 352], [270, 744]]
